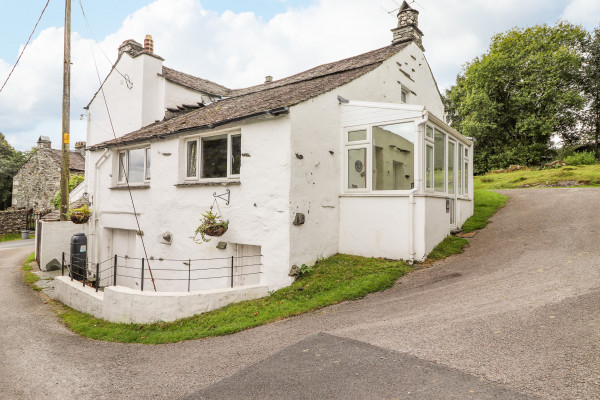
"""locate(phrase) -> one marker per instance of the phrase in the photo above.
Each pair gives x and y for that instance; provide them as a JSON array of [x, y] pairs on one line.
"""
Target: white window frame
[[368, 145], [198, 140], [125, 178], [429, 142]]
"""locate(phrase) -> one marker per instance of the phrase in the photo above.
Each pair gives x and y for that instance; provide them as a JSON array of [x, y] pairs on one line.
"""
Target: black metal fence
[[128, 271]]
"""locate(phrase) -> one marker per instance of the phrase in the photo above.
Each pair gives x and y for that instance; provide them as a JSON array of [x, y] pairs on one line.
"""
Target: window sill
[[227, 182], [125, 187]]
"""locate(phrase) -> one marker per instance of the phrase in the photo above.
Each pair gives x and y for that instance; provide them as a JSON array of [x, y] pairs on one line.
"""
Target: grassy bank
[[585, 175], [331, 281], [486, 205], [29, 277], [9, 237]]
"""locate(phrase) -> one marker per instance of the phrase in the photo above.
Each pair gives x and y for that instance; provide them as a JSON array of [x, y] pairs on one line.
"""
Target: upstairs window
[[213, 157], [134, 166]]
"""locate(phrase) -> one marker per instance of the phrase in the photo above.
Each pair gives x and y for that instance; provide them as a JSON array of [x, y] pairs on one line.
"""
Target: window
[[357, 136], [460, 169], [134, 166], [451, 158], [357, 165], [466, 177], [220, 157], [393, 156], [429, 132], [429, 167], [439, 160]]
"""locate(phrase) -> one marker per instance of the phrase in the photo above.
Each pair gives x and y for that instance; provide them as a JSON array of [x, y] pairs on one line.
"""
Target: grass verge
[[332, 280], [29, 277], [584, 175], [9, 237], [486, 203]]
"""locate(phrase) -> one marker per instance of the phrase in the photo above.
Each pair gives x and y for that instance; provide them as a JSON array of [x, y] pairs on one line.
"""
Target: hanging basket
[[79, 218], [215, 230]]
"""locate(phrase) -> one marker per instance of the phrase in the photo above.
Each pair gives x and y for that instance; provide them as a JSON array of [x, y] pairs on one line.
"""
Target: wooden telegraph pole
[[66, 115]]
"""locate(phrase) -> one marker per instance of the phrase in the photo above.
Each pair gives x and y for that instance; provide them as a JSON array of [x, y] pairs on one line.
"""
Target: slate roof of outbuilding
[[266, 98], [76, 160]]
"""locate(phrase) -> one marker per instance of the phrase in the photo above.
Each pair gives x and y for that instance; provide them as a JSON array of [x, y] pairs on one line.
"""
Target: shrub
[[583, 158], [74, 180]]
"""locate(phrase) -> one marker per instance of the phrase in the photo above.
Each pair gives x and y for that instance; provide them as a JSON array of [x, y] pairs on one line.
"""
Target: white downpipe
[[411, 201], [97, 165]]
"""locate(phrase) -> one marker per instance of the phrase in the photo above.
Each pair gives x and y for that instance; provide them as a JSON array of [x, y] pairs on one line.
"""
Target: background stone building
[[38, 180]]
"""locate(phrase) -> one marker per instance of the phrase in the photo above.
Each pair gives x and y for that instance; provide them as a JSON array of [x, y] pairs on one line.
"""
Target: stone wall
[[36, 182], [12, 221]]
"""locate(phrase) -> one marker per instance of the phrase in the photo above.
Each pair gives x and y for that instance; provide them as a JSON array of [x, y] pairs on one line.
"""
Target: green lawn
[[331, 281], [486, 205], [585, 175]]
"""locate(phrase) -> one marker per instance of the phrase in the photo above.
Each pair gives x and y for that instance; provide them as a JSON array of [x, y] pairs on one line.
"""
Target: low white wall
[[121, 304], [79, 297], [56, 239]]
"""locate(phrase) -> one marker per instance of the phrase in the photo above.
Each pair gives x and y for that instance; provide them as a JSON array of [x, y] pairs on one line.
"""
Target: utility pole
[[66, 116]]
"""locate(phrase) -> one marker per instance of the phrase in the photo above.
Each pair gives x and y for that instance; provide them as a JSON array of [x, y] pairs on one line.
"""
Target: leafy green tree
[[10, 162], [591, 88], [74, 180], [515, 97]]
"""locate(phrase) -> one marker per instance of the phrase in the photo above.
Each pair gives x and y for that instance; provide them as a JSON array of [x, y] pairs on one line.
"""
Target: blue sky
[[235, 43]]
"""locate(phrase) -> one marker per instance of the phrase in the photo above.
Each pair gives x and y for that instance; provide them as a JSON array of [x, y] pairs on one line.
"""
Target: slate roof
[[195, 83], [269, 98], [76, 160]]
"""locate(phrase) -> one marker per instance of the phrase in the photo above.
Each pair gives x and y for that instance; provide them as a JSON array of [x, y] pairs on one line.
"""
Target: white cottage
[[348, 157]]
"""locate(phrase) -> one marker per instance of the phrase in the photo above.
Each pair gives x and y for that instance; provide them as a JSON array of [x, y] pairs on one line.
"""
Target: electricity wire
[[121, 160], [23, 51]]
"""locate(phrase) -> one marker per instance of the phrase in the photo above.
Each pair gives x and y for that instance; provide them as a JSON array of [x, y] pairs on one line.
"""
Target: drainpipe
[[97, 165], [412, 202]]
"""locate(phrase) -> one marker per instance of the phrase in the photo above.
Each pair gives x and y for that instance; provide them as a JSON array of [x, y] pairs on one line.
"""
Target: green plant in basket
[[212, 225], [80, 215]]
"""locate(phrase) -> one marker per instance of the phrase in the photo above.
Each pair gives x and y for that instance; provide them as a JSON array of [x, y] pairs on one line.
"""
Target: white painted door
[[128, 268], [247, 265]]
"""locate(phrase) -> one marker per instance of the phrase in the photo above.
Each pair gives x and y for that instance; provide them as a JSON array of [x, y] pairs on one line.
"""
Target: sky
[[234, 42]]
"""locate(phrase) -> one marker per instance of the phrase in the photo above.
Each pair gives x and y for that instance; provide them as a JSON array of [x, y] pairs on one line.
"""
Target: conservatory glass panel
[[451, 148], [357, 168], [439, 167], [356, 136], [393, 156]]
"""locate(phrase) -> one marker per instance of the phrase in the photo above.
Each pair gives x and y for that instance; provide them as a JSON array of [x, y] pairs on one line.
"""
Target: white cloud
[[240, 49]]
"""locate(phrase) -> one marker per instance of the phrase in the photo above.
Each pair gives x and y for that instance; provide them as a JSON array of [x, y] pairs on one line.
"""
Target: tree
[[591, 89], [524, 90], [10, 162]]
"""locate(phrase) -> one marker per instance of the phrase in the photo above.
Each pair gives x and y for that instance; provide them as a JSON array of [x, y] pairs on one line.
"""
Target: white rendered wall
[[177, 95], [56, 239], [258, 213], [121, 304]]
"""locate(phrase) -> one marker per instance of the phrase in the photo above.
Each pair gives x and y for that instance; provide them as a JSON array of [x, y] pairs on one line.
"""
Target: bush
[[583, 158], [74, 180]]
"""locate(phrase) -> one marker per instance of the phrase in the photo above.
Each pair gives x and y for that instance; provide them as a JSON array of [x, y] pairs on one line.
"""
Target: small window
[[429, 132], [236, 154], [213, 157], [451, 149], [429, 167], [393, 156], [460, 169], [134, 166], [357, 168], [439, 170], [357, 136]]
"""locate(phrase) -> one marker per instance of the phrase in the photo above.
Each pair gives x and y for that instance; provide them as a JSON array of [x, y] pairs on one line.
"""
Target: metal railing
[[118, 268]]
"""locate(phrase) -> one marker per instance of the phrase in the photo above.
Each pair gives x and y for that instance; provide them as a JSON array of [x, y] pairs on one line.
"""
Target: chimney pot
[[149, 44], [268, 79]]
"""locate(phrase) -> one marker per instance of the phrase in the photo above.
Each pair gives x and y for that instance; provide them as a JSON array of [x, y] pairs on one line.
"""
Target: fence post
[[115, 272], [231, 271], [142, 274], [62, 265], [189, 273], [97, 276]]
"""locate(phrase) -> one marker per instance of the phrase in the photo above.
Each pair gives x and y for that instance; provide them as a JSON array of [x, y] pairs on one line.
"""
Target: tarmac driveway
[[516, 316]]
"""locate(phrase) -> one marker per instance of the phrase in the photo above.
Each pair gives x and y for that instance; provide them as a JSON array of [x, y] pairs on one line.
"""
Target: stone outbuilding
[[38, 180]]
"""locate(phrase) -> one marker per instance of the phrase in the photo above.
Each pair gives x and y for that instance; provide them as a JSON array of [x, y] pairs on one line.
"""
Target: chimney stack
[[408, 26], [80, 148], [44, 143], [149, 44]]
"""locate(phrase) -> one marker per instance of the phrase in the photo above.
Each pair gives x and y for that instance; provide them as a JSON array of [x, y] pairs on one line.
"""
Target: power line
[[23, 51]]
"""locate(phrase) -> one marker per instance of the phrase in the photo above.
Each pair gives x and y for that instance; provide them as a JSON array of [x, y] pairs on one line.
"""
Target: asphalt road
[[516, 316]]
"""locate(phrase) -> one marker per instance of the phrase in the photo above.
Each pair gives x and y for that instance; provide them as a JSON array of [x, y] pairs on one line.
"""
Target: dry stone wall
[[12, 221]]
